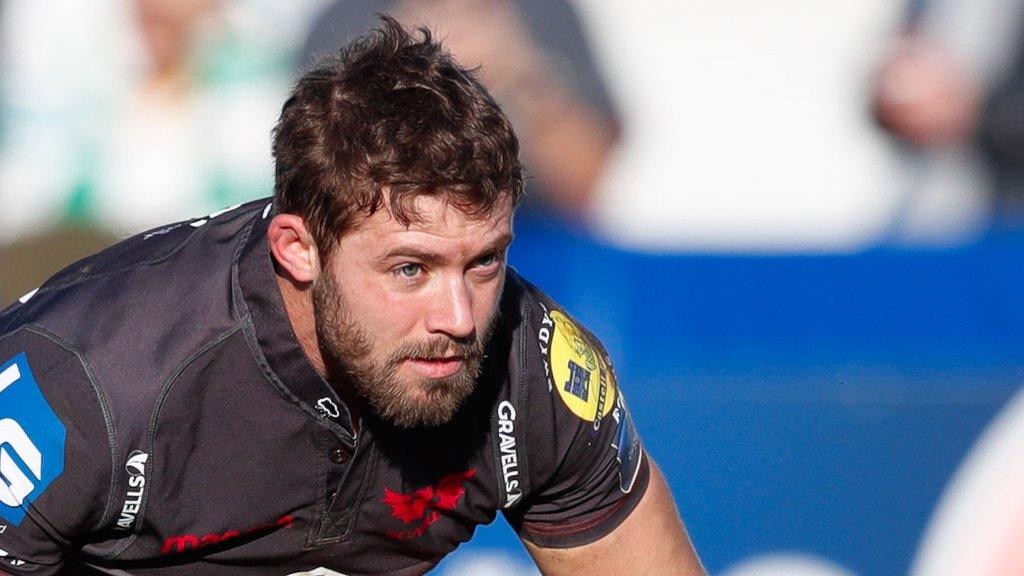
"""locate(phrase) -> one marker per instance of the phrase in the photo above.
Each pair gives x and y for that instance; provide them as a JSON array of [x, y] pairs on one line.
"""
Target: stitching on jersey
[[314, 539], [271, 377], [519, 395], [101, 398], [524, 389], [369, 478], [249, 328], [151, 433], [323, 491], [243, 241]]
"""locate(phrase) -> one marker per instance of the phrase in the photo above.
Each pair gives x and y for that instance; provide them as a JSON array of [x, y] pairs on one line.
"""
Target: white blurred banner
[[747, 124]]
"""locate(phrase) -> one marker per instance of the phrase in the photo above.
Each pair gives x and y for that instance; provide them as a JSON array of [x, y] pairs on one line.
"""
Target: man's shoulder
[[562, 371], [551, 333], [525, 307], [134, 310], [157, 274]]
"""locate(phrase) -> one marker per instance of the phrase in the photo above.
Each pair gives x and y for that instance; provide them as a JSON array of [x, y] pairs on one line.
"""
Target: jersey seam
[[270, 377], [151, 431], [573, 528], [368, 478], [524, 392]]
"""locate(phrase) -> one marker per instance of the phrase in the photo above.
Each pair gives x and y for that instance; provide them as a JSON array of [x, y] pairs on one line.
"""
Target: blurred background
[[796, 225]]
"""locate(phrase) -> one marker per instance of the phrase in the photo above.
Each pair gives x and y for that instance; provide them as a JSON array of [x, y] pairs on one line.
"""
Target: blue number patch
[[31, 440]]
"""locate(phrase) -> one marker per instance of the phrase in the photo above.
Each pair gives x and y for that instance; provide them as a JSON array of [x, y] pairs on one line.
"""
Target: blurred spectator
[[535, 61], [744, 125], [128, 114], [121, 115], [952, 91]]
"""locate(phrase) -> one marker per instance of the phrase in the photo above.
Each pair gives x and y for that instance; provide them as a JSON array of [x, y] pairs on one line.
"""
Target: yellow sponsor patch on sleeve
[[580, 371]]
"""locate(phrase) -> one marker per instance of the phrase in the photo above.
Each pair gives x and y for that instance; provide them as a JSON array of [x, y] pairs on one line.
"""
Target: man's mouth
[[436, 367]]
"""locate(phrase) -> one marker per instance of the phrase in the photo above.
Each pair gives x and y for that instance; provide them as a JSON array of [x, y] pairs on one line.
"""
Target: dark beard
[[345, 345]]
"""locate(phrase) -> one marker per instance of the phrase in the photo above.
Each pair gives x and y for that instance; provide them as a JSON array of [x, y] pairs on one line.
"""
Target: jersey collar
[[270, 333]]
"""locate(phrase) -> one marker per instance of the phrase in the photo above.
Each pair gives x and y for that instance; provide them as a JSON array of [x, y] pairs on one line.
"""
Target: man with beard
[[345, 380]]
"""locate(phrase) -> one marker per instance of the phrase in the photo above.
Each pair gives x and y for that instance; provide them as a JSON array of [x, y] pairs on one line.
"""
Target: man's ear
[[293, 247]]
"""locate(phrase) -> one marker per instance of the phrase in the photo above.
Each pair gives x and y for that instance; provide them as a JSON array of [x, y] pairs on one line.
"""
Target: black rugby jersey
[[158, 416]]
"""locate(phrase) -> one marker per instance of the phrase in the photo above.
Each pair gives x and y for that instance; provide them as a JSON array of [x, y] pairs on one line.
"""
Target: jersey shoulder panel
[[586, 469], [140, 308]]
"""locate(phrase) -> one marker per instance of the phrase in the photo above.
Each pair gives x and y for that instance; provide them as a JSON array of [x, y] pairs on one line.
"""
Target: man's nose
[[452, 314]]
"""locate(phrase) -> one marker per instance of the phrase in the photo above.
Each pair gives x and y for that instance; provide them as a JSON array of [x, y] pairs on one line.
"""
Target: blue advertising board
[[811, 405]]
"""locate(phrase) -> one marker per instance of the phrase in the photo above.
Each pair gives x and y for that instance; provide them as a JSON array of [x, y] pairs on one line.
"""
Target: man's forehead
[[433, 216]]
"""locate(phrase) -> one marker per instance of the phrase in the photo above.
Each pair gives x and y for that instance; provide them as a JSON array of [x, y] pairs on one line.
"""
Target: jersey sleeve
[[55, 455], [586, 465]]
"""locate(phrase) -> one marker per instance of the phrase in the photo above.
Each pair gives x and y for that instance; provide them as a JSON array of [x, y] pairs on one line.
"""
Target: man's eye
[[409, 270], [487, 260]]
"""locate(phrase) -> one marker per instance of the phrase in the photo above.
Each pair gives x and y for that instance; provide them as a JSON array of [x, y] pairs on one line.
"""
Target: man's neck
[[298, 303]]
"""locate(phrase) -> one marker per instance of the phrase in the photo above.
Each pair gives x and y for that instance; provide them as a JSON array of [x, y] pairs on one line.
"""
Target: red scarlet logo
[[424, 506]]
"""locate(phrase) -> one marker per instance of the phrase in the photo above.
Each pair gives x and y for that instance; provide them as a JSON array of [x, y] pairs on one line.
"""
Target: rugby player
[[347, 379]]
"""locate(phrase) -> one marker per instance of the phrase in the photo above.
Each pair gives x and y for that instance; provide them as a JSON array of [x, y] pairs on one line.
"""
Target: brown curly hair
[[391, 114]]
